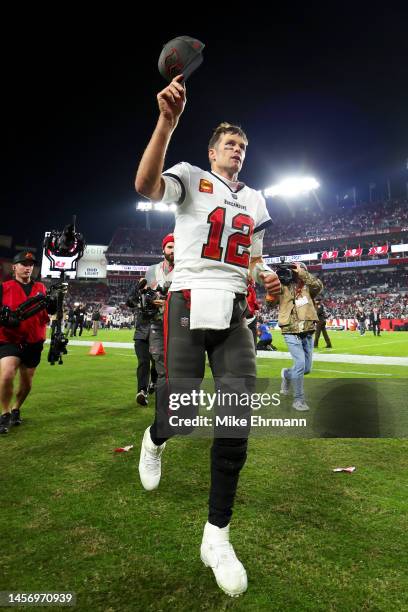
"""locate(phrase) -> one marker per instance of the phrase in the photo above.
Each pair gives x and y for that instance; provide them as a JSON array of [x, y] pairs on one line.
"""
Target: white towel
[[211, 308]]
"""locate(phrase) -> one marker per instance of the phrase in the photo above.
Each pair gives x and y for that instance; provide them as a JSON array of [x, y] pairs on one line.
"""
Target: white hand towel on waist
[[211, 308]]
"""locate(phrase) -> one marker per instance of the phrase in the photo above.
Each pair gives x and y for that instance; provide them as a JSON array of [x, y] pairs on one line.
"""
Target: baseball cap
[[181, 55], [24, 256]]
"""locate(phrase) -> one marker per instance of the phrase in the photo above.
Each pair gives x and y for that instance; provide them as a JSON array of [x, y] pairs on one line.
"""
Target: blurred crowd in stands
[[385, 288], [344, 291], [379, 280], [315, 225], [135, 242], [310, 224]]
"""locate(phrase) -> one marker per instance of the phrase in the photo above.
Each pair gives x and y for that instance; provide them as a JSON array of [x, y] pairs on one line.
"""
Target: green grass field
[[388, 344], [75, 517]]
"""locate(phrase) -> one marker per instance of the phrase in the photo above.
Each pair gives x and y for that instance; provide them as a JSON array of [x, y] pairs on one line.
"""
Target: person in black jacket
[[96, 319], [321, 325], [79, 314], [71, 322], [146, 370], [375, 321]]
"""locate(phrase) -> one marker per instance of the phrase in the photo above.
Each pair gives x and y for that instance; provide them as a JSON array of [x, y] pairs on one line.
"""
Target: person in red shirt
[[21, 346]]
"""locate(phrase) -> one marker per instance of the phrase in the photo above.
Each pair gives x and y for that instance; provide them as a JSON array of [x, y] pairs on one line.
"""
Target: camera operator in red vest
[[20, 344]]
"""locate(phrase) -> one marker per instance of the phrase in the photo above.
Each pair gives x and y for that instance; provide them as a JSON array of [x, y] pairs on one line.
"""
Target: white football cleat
[[218, 553], [150, 462], [300, 405], [285, 385]]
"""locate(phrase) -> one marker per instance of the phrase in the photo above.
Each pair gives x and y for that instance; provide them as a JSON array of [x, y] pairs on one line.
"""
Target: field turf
[[75, 517]]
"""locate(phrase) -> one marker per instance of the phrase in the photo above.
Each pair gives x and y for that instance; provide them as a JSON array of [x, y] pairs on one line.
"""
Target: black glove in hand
[[8, 318]]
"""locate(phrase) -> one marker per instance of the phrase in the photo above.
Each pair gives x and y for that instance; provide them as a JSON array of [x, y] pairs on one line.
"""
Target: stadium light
[[292, 187], [144, 206], [161, 207], [158, 206]]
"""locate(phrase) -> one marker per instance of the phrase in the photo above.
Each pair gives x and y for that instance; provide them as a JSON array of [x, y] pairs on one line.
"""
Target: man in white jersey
[[218, 235]]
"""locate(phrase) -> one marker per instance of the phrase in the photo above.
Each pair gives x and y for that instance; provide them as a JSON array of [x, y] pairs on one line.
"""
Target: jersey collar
[[233, 186]]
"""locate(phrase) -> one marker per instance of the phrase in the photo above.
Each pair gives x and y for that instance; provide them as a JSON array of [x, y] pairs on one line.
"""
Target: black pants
[[231, 355], [80, 325], [145, 365], [376, 327], [156, 348], [321, 329], [263, 344]]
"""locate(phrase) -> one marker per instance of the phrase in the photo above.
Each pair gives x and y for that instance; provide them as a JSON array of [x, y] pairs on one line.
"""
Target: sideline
[[328, 358]]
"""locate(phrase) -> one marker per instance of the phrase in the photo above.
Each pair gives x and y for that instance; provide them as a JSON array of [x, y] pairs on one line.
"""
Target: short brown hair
[[226, 128]]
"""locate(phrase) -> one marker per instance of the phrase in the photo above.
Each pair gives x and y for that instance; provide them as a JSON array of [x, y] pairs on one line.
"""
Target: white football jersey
[[217, 229]]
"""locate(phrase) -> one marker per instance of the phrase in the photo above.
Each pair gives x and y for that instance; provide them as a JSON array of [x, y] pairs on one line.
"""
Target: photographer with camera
[[145, 364], [297, 320], [149, 299], [21, 341], [265, 338]]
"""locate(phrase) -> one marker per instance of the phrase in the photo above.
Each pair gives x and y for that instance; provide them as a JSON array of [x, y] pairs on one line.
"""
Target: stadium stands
[[306, 229]]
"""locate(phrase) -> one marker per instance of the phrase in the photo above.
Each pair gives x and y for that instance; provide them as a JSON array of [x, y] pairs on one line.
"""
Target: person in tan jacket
[[297, 320]]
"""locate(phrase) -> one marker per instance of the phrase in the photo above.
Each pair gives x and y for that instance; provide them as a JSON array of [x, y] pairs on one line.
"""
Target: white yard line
[[326, 357], [125, 345], [382, 344], [339, 358], [352, 372]]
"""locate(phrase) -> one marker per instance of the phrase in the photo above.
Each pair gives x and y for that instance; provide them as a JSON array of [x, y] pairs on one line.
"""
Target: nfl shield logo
[[184, 321], [234, 196]]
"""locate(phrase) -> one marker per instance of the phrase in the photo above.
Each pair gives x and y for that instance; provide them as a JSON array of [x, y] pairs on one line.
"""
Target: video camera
[[12, 318], [68, 243], [285, 272], [65, 243], [144, 297]]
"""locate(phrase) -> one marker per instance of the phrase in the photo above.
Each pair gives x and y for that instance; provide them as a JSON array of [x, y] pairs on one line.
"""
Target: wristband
[[257, 270]]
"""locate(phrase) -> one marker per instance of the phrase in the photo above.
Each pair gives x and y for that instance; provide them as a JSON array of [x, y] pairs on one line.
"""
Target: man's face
[[23, 271], [228, 154], [169, 252]]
